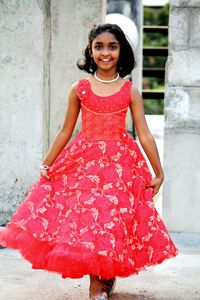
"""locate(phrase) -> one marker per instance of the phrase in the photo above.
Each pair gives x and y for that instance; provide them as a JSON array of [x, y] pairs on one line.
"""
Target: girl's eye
[[113, 47], [97, 47]]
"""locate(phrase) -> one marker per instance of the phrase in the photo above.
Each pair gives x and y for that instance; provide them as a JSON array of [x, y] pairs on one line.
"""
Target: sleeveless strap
[[82, 89]]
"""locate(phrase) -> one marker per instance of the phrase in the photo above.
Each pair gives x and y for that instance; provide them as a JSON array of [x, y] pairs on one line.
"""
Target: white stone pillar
[[182, 124], [40, 44]]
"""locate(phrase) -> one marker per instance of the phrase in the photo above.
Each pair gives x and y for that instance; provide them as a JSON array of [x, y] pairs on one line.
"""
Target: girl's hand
[[156, 184], [43, 173]]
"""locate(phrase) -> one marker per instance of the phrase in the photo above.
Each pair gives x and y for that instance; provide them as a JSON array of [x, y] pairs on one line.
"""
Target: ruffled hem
[[71, 262]]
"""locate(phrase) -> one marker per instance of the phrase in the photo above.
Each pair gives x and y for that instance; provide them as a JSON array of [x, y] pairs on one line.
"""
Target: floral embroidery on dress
[[95, 215]]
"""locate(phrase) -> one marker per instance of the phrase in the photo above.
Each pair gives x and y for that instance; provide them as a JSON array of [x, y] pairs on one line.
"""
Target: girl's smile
[[105, 52]]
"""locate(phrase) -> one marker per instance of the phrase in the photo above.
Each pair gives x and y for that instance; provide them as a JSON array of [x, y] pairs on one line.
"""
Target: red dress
[[94, 216]]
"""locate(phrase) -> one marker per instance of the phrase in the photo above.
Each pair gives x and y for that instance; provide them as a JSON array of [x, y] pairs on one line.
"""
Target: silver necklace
[[106, 81]]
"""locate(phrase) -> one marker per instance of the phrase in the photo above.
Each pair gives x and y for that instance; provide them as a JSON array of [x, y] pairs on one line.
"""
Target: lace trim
[[112, 113]]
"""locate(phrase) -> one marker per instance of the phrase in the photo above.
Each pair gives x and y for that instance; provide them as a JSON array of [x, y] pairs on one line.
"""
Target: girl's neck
[[106, 81], [106, 75]]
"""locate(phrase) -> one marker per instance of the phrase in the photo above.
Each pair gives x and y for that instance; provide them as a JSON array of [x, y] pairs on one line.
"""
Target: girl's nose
[[105, 51]]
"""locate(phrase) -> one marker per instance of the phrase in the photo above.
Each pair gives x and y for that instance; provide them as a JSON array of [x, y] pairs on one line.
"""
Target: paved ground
[[178, 278]]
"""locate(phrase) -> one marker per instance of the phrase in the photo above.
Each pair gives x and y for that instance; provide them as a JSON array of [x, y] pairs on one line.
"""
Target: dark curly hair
[[126, 62]]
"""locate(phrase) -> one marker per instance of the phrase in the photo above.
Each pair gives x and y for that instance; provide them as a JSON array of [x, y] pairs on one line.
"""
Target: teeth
[[105, 59]]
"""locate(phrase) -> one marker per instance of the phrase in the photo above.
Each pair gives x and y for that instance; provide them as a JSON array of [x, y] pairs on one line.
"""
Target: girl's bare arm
[[146, 139], [65, 133]]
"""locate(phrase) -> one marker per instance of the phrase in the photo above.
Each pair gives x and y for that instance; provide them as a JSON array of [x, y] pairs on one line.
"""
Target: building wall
[[69, 35], [181, 197], [40, 44]]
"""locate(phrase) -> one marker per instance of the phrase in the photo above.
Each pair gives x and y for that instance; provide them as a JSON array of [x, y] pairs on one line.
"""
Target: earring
[[92, 65]]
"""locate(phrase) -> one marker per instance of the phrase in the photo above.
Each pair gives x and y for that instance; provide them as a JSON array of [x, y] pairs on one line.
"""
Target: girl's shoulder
[[82, 81], [77, 85], [82, 88]]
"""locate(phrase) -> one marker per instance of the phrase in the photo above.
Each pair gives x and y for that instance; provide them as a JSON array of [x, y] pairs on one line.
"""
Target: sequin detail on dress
[[95, 215]]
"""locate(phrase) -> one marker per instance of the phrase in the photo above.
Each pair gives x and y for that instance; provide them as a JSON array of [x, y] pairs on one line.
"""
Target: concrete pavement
[[177, 278]]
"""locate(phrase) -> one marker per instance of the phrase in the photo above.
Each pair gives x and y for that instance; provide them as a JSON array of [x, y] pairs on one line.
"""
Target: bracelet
[[44, 167]]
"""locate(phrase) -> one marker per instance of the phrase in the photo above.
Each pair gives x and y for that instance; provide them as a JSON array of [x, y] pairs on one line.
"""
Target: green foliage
[[156, 16], [154, 61], [149, 16], [154, 83], [155, 39], [163, 18], [153, 107]]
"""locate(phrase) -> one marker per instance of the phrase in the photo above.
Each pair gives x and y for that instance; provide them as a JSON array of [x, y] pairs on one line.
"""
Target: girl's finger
[[44, 175], [148, 185], [156, 190]]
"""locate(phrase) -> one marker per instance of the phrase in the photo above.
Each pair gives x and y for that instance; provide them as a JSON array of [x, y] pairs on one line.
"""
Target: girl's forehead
[[105, 37]]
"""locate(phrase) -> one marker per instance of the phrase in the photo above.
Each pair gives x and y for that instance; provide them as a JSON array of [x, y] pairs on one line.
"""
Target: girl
[[91, 211]]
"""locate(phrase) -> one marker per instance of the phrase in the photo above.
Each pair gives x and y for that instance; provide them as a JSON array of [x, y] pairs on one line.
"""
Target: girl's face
[[105, 51]]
